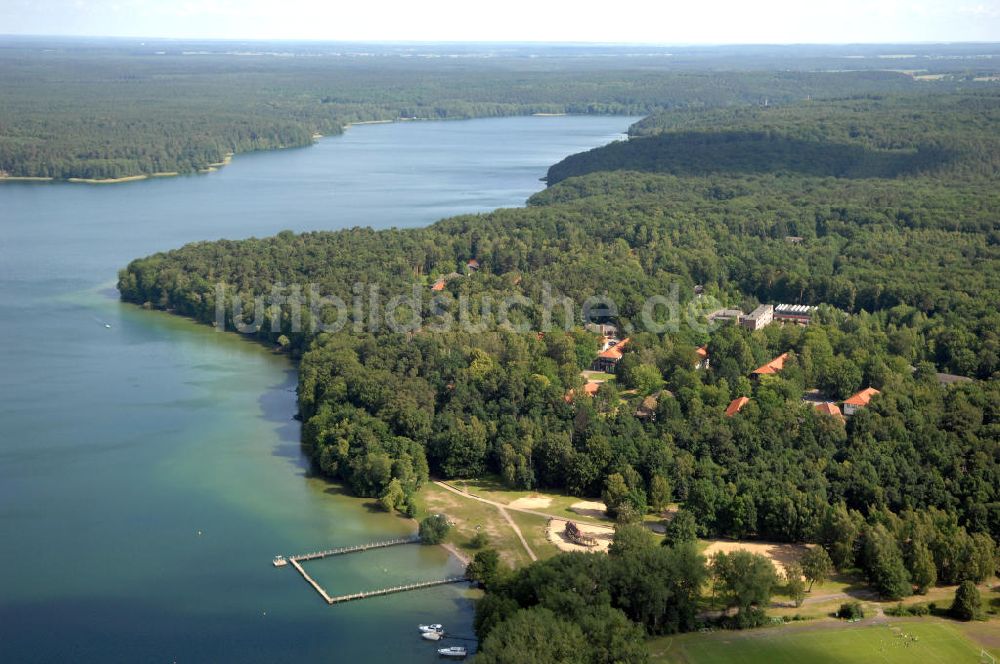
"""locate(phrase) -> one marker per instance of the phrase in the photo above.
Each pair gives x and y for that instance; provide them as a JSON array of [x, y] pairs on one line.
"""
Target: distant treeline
[[109, 113], [864, 137]]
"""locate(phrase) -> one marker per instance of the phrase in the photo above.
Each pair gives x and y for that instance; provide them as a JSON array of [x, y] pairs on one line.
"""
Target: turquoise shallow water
[[120, 444]]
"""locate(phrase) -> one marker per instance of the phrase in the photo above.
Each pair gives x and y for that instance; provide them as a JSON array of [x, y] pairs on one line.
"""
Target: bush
[[479, 540], [968, 605], [434, 528], [901, 611], [851, 611], [748, 619]]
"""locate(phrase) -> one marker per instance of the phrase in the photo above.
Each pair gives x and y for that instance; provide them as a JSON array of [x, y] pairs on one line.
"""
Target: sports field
[[933, 642]]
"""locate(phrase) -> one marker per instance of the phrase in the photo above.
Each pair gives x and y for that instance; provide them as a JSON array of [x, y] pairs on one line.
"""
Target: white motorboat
[[432, 636], [458, 652], [436, 627]]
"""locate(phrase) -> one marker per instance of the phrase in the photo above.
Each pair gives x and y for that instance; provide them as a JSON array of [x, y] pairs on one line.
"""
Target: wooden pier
[[312, 581], [356, 548], [395, 589], [295, 561]]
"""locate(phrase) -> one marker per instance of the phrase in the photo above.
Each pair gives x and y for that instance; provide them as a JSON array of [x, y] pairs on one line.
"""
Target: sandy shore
[[24, 178], [455, 551]]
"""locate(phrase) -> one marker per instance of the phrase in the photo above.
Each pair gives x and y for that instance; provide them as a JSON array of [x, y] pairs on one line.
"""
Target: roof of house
[[438, 285], [615, 352], [591, 387], [736, 405], [772, 367], [701, 351], [829, 408], [473, 263], [648, 406], [725, 313], [863, 397], [760, 311]]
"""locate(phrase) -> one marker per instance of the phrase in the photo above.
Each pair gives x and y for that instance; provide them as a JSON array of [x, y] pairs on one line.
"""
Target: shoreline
[[213, 167]]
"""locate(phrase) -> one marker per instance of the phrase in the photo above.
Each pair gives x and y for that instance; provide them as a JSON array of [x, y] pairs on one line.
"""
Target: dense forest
[[100, 111], [898, 249]]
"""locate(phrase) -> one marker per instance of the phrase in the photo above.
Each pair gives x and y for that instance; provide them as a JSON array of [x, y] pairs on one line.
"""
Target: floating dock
[[295, 561]]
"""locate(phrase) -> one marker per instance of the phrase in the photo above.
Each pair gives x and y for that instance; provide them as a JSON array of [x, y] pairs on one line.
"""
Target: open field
[[466, 515], [920, 640], [534, 528], [559, 504]]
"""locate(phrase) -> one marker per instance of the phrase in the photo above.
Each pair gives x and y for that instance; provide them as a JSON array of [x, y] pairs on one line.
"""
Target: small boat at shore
[[432, 636], [279, 561], [456, 652], [436, 627]]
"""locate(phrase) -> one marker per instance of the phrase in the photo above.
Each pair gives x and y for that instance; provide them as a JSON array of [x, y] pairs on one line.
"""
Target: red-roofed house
[[438, 285], [607, 360], [736, 405], [772, 367], [859, 400], [831, 409], [473, 265], [702, 353], [589, 388]]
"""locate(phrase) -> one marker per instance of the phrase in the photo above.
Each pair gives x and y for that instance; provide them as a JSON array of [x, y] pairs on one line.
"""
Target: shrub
[[851, 611], [434, 528], [968, 605]]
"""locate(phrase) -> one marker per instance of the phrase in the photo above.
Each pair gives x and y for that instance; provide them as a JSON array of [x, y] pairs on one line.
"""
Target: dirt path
[[500, 508], [467, 494]]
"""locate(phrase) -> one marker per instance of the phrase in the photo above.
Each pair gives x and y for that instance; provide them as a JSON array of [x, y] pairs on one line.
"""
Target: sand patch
[[531, 503], [779, 554], [603, 535], [591, 508]]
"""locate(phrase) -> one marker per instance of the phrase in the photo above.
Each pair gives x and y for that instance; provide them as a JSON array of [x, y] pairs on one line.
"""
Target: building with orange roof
[[589, 388], [772, 367], [736, 405], [860, 400], [831, 409], [607, 360], [702, 353]]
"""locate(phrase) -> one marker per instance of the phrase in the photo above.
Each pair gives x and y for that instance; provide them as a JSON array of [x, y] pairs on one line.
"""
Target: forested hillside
[[866, 137], [95, 110], [906, 270]]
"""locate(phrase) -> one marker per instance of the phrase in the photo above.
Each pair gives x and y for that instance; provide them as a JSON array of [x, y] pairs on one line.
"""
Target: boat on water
[[457, 652], [436, 627], [279, 561], [432, 636]]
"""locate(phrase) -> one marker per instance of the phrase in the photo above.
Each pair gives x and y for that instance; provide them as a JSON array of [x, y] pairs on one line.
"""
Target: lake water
[[151, 469]]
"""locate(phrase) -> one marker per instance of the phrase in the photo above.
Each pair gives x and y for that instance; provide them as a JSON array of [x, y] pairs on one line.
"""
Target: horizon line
[[432, 42]]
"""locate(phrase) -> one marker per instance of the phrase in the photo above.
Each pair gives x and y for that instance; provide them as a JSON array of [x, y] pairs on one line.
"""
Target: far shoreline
[[213, 167]]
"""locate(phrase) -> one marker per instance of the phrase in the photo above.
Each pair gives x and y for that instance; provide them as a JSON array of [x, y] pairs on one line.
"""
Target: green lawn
[[492, 488], [533, 528], [927, 641], [468, 514]]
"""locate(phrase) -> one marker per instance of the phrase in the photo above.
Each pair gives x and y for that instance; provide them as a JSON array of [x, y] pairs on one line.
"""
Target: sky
[[621, 21]]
